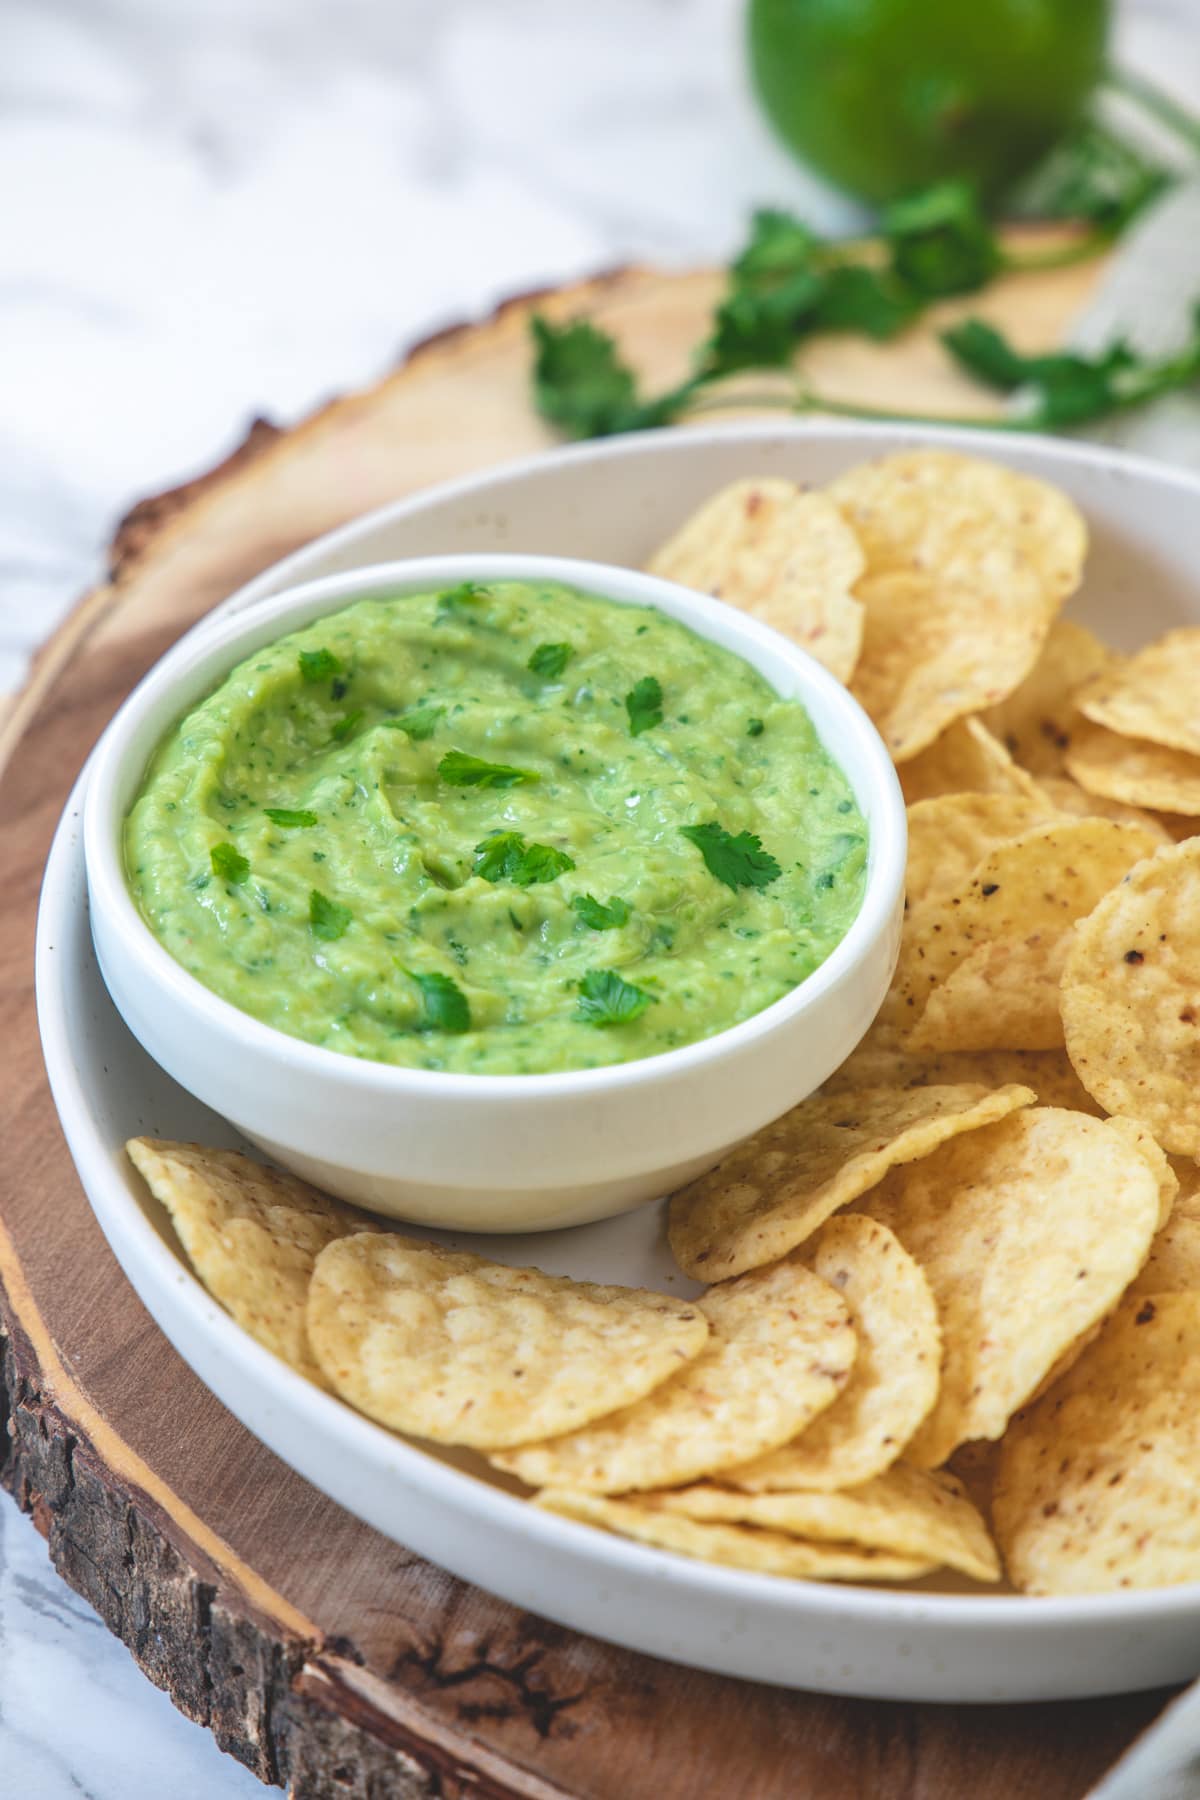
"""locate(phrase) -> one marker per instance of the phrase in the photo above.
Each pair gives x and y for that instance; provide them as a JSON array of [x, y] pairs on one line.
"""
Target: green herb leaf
[[755, 728], [605, 998], [780, 246], [1066, 389], [229, 863], [581, 385], [328, 918], [940, 241], [344, 727], [463, 770], [549, 660], [643, 703], [291, 821], [505, 856], [871, 301], [419, 722], [738, 861], [761, 330], [463, 597], [444, 1006], [599, 917], [318, 665]]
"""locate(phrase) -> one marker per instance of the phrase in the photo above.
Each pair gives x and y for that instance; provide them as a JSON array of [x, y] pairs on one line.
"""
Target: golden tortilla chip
[[1135, 771], [1028, 1232], [251, 1233], [780, 1352], [949, 836], [773, 1191], [1038, 719], [894, 1381], [449, 1346], [967, 565], [1066, 796], [1154, 695], [1131, 998], [737, 1546], [906, 1511], [1173, 1265], [782, 554], [988, 960], [965, 759], [1097, 1484], [1159, 1164], [1047, 1072]]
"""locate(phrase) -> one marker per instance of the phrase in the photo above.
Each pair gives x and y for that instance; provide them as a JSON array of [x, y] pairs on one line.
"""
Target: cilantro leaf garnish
[[463, 597], [1065, 388], [755, 728], [549, 660], [643, 703], [344, 727], [444, 1006], [581, 384], [229, 863], [940, 241], [289, 819], [318, 665], [600, 917], [419, 722], [461, 769], [328, 918], [738, 861], [505, 856], [606, 998], [874, 302]]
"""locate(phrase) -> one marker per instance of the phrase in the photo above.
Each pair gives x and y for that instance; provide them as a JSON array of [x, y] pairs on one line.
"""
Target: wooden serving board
[[320, 1654]]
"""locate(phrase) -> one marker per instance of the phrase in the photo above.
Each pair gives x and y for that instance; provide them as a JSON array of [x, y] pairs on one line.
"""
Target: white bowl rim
[[121, 1215], [887, 849]]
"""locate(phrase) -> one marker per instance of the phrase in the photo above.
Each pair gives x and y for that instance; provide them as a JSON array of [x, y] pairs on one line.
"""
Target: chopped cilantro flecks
[[444, 1006], [346, 726], [328, 918], [606, 998], [738, 861], [419, 722], [319, 665], [755, 728], [598, 916], [229, 863], [549, 660], [462, 597], [505, 856], [289, 819], [643, 703], [463, 770]]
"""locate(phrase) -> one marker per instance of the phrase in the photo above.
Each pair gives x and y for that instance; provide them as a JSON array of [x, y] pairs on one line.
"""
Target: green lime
[[882, 96]]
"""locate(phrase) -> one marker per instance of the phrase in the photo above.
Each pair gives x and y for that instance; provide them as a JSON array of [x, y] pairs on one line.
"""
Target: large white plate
[[615, 502]]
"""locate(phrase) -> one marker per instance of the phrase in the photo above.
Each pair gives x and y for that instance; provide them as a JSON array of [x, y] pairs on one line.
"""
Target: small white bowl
[[491, 1152]]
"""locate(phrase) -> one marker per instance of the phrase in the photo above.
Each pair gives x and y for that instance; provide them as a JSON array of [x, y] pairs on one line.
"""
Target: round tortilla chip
[[251, 1233], [1066, 796], [449, 1346], [736, 1546], [781, 1350], [781, 553], [906, 1511], [773, 1191], [1047, 1072], [1097, 1484], [1038, 719], [965, 759], [894, 1381], [1173, 1265], [967, 565], [950, 834], [1134, 770], [1131, 998], [1152, 695], [1028, 1233]]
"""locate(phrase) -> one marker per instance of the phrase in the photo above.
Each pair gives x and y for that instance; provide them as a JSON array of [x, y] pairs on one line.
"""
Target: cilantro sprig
[[419, 722], [599, 917], [738, 861], [444, 1006], [1065, 388], [606, 998], [328, 919], [505, 856], [318, 665], [549, 660], [229, 863], [460, 769], [292, 819], [644, 705]]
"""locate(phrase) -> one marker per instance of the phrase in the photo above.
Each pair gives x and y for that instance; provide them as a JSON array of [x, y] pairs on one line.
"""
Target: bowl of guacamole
[[432, 877]]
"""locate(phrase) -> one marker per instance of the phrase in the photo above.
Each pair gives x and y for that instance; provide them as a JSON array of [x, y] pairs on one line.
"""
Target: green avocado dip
[[509, 829]]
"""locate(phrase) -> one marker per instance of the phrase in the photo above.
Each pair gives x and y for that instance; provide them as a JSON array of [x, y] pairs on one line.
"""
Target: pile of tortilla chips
[[951, 1308]]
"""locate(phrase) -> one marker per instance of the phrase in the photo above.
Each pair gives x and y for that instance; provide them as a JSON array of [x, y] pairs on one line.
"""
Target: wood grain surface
[[323, 1656]]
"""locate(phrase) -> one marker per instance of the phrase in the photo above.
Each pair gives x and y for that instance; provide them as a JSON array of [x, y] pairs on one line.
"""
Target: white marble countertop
[[216, 208]]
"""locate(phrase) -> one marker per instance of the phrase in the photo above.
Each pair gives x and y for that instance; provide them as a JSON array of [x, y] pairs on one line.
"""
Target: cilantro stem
[[1161, 107]]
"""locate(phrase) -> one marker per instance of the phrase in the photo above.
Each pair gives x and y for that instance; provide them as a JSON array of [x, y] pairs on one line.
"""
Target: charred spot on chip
[[1134, 956], [1145, 1313], [989, 888]]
